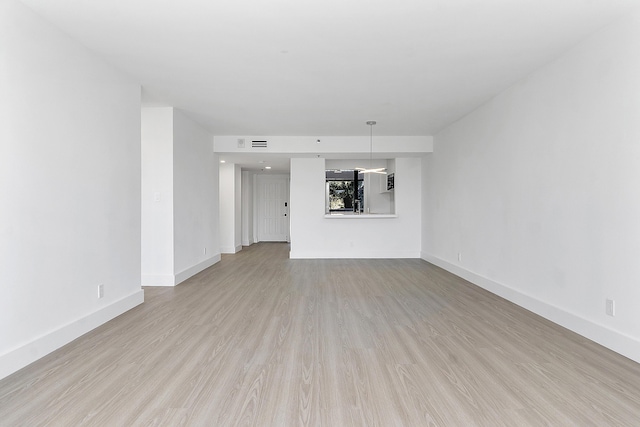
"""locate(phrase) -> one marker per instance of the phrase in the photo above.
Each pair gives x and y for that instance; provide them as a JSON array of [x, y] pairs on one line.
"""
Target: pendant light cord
[[370, 145]]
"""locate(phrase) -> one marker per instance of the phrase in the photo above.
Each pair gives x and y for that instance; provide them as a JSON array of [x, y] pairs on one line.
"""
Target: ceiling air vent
[[258, 144]]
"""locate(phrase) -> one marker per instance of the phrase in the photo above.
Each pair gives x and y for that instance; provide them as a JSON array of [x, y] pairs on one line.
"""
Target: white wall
[[195, 208], [538, 191], [157, 197], [380, 202], [69, 188], [179, 198], [248, 236], [230, 208], [314, 236], [237, 213]]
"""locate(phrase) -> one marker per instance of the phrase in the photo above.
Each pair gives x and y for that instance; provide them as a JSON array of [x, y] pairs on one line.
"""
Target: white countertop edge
[[361, 216]]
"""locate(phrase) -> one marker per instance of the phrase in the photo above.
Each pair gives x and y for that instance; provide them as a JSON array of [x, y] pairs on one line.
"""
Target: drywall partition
[[179, 198], [237, 200], [230, 208], [534, 196], [157, 197], [248, 236], [195, 197], [315, 236], [69, 188]]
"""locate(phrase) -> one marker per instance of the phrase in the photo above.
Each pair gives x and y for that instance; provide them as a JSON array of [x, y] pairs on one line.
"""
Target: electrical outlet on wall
[[459, 256], [611, 307], [100, 291]]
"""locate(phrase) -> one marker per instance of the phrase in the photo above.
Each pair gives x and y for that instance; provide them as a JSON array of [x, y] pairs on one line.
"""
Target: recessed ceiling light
[[223, 161], [267, 167]]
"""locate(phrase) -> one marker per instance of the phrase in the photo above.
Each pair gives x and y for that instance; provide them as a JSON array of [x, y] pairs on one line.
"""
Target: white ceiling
[[303, 67]]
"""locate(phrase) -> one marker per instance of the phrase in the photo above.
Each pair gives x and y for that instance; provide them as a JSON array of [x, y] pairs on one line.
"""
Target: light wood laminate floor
[[259, 339]]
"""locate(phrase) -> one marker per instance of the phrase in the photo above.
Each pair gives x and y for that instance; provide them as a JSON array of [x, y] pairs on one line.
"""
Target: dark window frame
[[357, 184]]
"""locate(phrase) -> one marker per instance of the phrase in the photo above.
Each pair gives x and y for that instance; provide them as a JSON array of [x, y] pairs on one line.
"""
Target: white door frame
[[257, 200]]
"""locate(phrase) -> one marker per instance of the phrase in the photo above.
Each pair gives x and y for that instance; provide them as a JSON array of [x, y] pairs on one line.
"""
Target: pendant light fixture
[[371, 169]]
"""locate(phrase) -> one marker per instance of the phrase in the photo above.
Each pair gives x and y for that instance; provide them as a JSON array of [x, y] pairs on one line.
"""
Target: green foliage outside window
[[340, 195]]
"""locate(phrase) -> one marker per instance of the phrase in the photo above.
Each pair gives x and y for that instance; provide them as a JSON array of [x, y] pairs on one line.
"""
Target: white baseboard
[[352, 255], [619, 342], [231, 249], [22, 356], [170, 280], [192, 271], [158, 280]]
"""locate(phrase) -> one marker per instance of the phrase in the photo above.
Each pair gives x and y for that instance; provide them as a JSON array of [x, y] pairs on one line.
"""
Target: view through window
[[345, 189]]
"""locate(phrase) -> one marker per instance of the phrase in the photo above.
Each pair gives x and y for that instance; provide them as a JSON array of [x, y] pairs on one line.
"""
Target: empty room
[[337, 213]]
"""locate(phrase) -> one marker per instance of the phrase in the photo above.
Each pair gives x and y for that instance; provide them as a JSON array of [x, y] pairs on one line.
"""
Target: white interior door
[[273, 208]]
